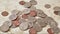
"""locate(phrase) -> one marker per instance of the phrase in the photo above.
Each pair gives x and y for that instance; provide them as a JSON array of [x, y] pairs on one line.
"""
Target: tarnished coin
[[47, 6], [27, 5], [40, 13], [37, 27], [4, 28], [9, 23], [56, 8], [12, 17], [23, 26], [33, 2], [57, 13], [32, 31]]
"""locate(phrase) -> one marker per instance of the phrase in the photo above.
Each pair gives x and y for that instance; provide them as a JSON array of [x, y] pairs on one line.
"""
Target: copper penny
[[4, 13]]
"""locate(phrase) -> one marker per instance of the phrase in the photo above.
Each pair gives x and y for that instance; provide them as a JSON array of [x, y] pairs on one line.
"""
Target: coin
[[12, 17], [23, 26], [56, 8], [9, 23], [4, 13], [21, 2], [32, 31], [4, 28], [47, 6], [40, 13], [27, 5], [37, 27], [33, 2]]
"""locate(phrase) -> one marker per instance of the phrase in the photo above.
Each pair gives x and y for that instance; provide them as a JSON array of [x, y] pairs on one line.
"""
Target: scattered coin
[[22, 2], [37, 27], [56, 8], [31, 19], [22, 20], [52, 22], [9, 23], [4, 13], [25, 16], [30, 24], [26, 11], [57, 13], [49, 30], [15, 11], [47, 6], [12, 17], [56, 30], [27, 5], [32, 8], [41, 22], [32, 31], [16, 22], [4, 28], [40, 13], [33, 13], [33, 2], [23, 26]]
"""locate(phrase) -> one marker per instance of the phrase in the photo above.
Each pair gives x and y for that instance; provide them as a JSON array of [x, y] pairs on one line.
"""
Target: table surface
[[10, 5]]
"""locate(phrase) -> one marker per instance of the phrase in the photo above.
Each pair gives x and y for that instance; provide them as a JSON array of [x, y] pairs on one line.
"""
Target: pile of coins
[[31, 18]]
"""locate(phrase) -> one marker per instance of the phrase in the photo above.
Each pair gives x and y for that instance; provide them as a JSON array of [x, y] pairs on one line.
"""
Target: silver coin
[[12, 17], [42, 22], [4, 28], [31, 19], [9, 23], [52, 22], [27, 5], [23, 26], [56, 30], [56, 8], [37, 27], [26, 11], [30, 24], [33, 2], [40, 13]]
